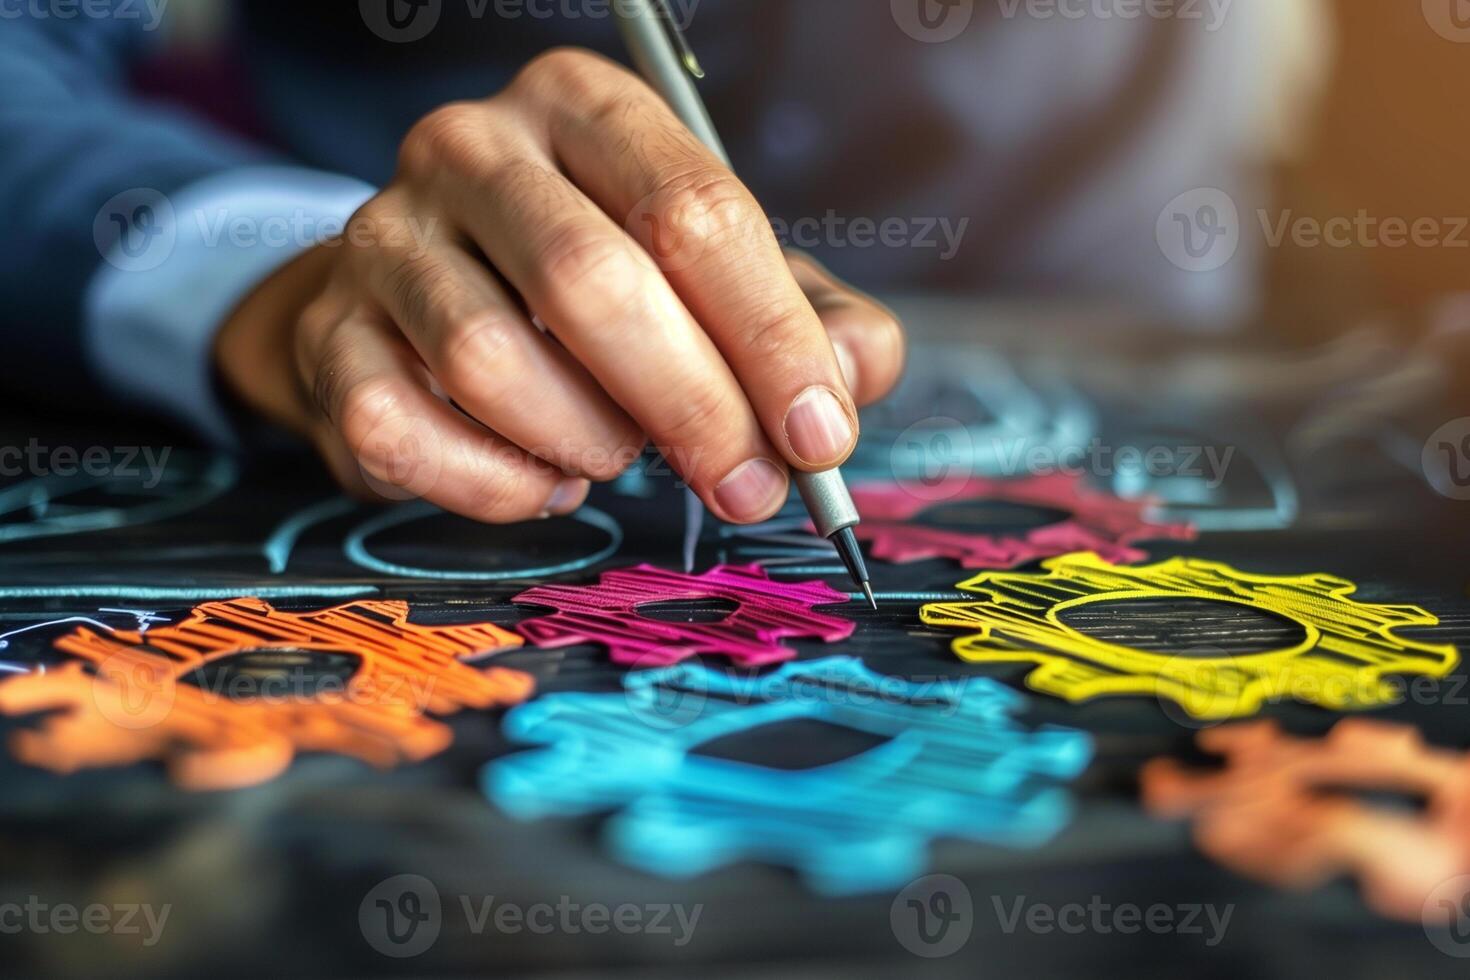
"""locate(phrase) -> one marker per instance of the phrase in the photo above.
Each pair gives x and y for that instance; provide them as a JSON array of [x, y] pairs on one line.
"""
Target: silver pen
[[668, 63], [664, 58]]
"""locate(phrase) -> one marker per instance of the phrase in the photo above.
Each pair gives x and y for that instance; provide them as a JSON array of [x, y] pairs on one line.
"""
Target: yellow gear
[[1340, 664]]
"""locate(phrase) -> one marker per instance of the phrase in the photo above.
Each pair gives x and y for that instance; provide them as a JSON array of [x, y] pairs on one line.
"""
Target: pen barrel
[[647, 35], [654, 55], [827, 500]]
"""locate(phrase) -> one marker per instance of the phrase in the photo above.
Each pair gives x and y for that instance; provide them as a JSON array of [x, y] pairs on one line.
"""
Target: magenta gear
[[607, 613], [1096, 522]]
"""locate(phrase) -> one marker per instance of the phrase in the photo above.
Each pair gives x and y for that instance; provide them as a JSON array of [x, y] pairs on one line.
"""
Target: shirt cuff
[[184, 263]]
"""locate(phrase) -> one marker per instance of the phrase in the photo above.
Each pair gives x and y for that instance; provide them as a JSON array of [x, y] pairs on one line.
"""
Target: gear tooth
[[607, 613], [395, 609], [1276, 812], [860, 824], [1011, 619], [250, 741], [1095, 522]]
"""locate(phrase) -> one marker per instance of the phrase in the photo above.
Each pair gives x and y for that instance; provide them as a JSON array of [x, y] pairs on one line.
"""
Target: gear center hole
[[791, 746], [700, 610], [276, 673], [995, 517], [1195, 628]]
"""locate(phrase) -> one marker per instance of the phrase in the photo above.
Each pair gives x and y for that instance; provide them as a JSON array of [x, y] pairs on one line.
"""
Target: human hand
[[671, 313]]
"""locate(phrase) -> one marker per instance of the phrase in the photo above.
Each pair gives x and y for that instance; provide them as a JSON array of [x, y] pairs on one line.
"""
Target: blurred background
[[1369, 125], [1385, 137], [1353, 127]]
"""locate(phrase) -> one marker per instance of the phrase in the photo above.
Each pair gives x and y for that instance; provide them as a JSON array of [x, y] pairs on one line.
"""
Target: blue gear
[[955, 765]]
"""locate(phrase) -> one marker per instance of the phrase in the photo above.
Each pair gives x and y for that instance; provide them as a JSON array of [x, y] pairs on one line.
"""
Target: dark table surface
[[1326, 476]]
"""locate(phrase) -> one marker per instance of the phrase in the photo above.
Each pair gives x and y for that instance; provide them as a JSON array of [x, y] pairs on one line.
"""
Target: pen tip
[[868, 591]]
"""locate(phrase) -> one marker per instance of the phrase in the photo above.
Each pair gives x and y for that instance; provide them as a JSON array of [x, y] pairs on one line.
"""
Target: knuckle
[[602, 468], [505, 494], [613, 112], [452, 136], [316, 320], [472, 348], [582, 256], [803, 261], [328, 372], [313, 328], [698, 420], [891, 345], [417, 289], [326, 385], [708, 205], [535, 193], [778, 331], [569, 71], [363, 406], [369, 225]]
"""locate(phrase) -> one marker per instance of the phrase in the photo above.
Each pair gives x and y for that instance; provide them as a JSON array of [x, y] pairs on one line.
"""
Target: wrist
[[253, 348]]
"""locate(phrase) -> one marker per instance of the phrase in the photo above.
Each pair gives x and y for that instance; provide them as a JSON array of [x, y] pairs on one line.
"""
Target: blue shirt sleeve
[[180, 265], [72, 139]]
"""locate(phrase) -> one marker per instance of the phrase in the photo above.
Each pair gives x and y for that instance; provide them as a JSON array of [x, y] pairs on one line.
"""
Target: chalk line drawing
[[1282, 810], [607, 613], [1347, 650], [213, 696], [357, 551], [954, 763], [1097, 522]]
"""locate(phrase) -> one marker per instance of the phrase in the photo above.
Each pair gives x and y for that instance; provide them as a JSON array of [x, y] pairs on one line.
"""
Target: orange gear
[[1280, 811], [125, 699]]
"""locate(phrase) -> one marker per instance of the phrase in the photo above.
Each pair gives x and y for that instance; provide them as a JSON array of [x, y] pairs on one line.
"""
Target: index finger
[[628, 151]]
